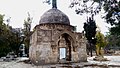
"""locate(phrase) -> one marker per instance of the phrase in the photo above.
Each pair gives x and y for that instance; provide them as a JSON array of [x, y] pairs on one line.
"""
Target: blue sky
[[17, 10]]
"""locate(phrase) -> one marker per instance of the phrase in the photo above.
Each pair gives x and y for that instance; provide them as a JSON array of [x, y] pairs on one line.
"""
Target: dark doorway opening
[[65, 48]]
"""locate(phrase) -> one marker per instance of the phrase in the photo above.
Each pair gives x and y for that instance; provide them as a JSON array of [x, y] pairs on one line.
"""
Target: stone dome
[[54, 16]]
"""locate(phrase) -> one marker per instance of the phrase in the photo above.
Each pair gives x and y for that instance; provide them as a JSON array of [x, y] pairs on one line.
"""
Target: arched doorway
[[64, 47]]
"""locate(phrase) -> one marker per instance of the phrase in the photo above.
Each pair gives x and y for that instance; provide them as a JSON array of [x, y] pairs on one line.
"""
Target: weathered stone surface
[[46, 49], [53, 33], [54, 16]]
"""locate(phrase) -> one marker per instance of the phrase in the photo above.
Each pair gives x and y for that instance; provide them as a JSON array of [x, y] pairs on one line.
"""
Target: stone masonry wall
[[81, 47], [44, 44]]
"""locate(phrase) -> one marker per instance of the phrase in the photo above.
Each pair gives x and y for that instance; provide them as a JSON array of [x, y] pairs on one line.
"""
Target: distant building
[[55, 41], [17, 30]]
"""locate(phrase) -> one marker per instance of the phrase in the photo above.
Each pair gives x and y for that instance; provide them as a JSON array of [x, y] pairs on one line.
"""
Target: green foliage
[[112, 8], [90, 29], [101, 41], [82, 6], [27, 31], [112, 12], [96, 0], [113, 40], [115, 30], [9, 39], [4, 48]]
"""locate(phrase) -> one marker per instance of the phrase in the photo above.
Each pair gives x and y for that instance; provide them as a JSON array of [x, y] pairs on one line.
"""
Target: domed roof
[[54, 16]]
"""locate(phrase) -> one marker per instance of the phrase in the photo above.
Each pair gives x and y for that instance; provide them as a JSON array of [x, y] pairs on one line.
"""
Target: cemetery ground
[[23, 62]]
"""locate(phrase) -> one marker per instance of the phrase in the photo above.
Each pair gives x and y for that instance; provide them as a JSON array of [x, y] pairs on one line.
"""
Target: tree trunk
[[91, 49]]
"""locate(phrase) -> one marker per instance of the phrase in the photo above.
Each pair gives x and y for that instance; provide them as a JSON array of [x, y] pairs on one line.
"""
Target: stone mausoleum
[[54, 40]]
